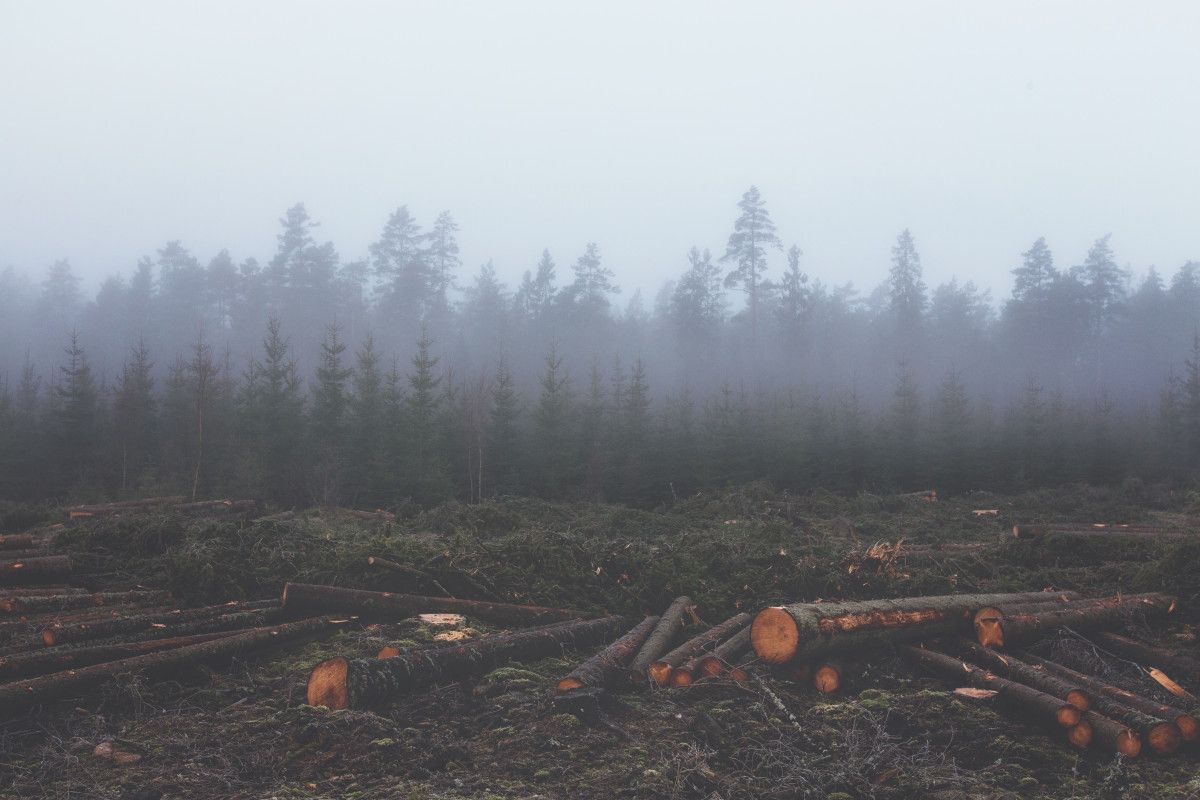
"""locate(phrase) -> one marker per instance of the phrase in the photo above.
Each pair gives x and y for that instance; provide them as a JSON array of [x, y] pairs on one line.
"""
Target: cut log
[[1184, 722], [1128, 533], [62, 602], [42, 662], [20, 541], [79, 632], [1037, 704], [827, 675], [659, 641], [1010, 630], [807, 630], [1111, 736], [602, 668], [215, 506], [45, 569], [660, 669], [368, 683], [725, 655], [1038, 677], [1081, 735], [311, 598], [378, 515], [1180, 663], [10, 592], [21, 555], [20, 695], [108, 509], [403, 569]]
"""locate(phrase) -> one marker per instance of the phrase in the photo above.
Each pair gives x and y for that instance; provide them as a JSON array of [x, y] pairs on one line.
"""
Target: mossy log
[[725, 655], [19, 695], [807, 630], [62, 602], [1033, 702], [660, 669], [231, 614], [369, 683], [605, 666], [44, 569], [1113, 696], [312, 598], [1182, 664], [1009, 630], [659, 641], [41, 662], [1033, 675]]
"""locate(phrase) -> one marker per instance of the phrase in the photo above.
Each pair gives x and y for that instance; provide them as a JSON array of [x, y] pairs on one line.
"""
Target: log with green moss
[[660, 669], [1011, 630], [659, 641], [369, 683], [312, 598], [605, 666], [1113, 700], [151, 623], [1034, 702], [806, 630], [1009, 666], [55, 659], [44, 569], [63, 602], [73, 683]]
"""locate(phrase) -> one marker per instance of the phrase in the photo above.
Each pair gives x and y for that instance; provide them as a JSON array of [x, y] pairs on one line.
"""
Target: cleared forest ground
[[245, 732]]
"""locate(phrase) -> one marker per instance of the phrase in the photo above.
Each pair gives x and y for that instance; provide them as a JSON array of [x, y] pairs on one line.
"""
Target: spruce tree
[[76, 418], [134, 423], [426, 477], [503, 435], [552, 429], [329, 417]]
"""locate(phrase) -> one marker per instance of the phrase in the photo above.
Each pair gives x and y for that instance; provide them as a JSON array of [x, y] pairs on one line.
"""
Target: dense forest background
[[399, 378]]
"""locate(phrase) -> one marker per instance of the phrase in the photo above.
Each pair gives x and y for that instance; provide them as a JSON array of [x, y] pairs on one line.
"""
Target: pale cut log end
[[1189, 728], [989, 631], [681, 677], [1164, 738], [1079, 699], [774, 635], [710, 667], [1069, 716], [660, 673], [327, 685], [739, 675], [1081, 734], [388, 651], [1129, 744], [567, 685], [827, 679]]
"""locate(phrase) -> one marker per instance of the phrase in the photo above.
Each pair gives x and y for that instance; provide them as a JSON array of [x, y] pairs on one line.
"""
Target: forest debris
[[975, 694], [1179, 663], [110, 752], [1170, 685], [986, 512], [210, 617], [443, 620]]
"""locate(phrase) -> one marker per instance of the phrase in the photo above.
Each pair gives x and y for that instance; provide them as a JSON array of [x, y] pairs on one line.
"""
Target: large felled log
[[109, 509], [725, 655], [20, 695], [366, 683], [45, 569], [83, 631], [659, 641], [660, 669], [1038, 677], [62, 602], [610, 662], [19, 541], [1034, 702], [1009, 630], [41, 662], [803, 630], [1184, 722], [1181, 664], [313, 598]]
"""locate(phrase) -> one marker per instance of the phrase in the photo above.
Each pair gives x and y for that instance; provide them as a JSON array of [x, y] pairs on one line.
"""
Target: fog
[[644, 251]]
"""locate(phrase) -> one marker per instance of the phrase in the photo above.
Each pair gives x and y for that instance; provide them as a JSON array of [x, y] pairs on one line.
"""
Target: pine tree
[[275, 407], [1036, 274], [442, 255], [593, 282], [793, 298], [399, 262], [371, 477], [753, 233], [1190, 403], [1105, 282], [904, 430], [906, 290], [134, 422]]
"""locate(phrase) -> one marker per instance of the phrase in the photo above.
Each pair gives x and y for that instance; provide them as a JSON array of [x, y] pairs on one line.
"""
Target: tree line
[[379, 381]]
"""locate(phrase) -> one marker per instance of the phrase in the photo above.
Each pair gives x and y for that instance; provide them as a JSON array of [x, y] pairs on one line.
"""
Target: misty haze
[[549, 320]]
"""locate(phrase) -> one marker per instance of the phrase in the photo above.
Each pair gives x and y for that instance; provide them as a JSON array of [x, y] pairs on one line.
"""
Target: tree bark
[[20, 695], [1038, 677], [660, 669], [41, 662], [18, 541], [1184, 722], [725, 655], [1033, 702], [1008, 631], [368, 683], [1183, 665], [657, 643], [805, 630], [46, 569], [62, 602], [602, 668], [160, 622], [386, 605]]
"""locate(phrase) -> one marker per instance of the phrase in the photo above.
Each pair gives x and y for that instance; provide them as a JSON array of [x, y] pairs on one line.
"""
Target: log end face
[[327, 684], [1068, 716], [1189, 728], [566, 684], [827, 679], [709, 667], [989, 632], [739, 675], [1079, 699], [1129, 743], [389, 651], [1164, 738], [775, 635], [660, 673], [681, 677], [1080, 735]]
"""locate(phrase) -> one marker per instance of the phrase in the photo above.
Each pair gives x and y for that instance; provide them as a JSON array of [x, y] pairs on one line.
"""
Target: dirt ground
[[245, 732]]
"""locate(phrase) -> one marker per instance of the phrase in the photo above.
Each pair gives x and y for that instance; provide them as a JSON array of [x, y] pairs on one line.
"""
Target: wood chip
[[443, 620], [975, 694], [1167, 683]]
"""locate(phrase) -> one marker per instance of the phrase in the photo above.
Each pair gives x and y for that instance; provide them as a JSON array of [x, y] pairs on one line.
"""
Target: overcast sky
[[637, 125]]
